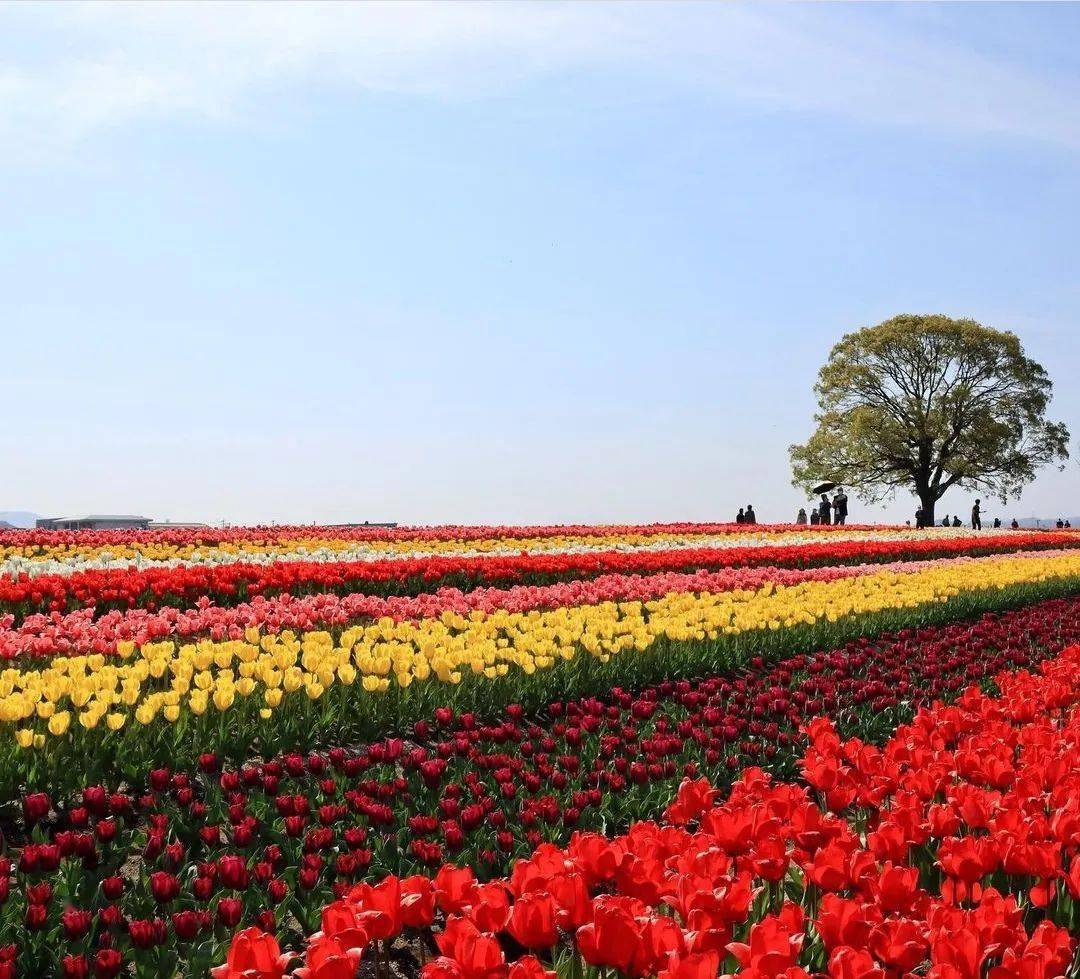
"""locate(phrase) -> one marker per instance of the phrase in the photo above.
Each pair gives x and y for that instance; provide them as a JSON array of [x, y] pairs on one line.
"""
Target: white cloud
[[68, 70]]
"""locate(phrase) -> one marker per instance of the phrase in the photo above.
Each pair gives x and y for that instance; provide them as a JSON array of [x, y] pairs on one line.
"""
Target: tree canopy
[[925, 403]]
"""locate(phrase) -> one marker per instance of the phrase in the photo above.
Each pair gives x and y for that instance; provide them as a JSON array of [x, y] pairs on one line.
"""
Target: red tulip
[[696, 965], [328, 958], [233, 872], [850, 963], [529, 967], [613, 937], [76, 923], [532, 921], [36, 807], [108, 963], [164, 886], [417, 901], [75, 967], [477, 956], [899, 944], [186, 924], [253, 954], [381, 905], [229, 911]]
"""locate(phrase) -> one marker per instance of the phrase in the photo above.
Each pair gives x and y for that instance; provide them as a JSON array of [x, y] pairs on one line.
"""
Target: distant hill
[[1046, 522], [18, 518]]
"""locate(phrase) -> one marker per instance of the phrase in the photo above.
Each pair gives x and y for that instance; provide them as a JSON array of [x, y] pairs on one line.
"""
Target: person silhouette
[[740, 517], [815, 518], [945, 521], [839, 503], [997, 522], [1014, 524], [801, 517], [956, 521], [825, 510], [751, 517], [976, 516]]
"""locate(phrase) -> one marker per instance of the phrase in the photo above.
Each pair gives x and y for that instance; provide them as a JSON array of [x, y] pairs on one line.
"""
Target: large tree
[[925, 403]]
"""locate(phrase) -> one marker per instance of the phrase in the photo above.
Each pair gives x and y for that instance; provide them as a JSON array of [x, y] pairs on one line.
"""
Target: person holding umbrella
[[839, 503], [824, 508]]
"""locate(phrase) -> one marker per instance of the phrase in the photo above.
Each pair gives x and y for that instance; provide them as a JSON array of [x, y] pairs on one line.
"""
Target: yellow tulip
[[59, 723], [144, 714], [293, 679]]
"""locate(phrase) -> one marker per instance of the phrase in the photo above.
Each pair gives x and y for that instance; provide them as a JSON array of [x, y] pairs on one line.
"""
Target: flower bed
[[80, 633], [953, 852], [221, 729], [231, 584], [88, 555], [165, 540], [165, 702], [220, 847]]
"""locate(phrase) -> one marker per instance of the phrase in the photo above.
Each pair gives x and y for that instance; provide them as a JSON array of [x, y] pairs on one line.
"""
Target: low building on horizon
[[386, 525], [95, 521], [176, 525]]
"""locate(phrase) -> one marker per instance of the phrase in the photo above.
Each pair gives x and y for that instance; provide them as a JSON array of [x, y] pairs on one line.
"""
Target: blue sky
[[505, 263]]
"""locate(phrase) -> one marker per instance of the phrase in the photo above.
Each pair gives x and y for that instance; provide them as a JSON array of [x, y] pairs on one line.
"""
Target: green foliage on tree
[[925, 403]]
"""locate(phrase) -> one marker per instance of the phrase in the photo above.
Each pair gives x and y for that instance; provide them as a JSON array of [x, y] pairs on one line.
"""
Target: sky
[[506, 263]]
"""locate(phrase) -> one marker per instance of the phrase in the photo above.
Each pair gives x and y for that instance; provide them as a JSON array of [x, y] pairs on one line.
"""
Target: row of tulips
[[80, 633], [167, 702], [953, 852], [159, 875], [43, 542], [15, 561], [233, 584]]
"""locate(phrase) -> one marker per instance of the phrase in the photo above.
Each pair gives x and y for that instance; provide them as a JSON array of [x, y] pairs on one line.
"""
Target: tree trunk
[[927, 501]]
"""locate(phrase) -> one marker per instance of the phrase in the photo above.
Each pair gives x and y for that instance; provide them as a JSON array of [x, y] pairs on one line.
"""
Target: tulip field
[[592, 752]]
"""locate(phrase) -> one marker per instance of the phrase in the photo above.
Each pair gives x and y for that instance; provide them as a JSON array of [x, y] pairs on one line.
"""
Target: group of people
[[955, 521], [922, 520], [828, 511], [976, 520], [835, 512]]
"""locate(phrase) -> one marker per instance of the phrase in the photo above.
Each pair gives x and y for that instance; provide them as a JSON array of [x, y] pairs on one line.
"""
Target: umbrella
[[823, 487]]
